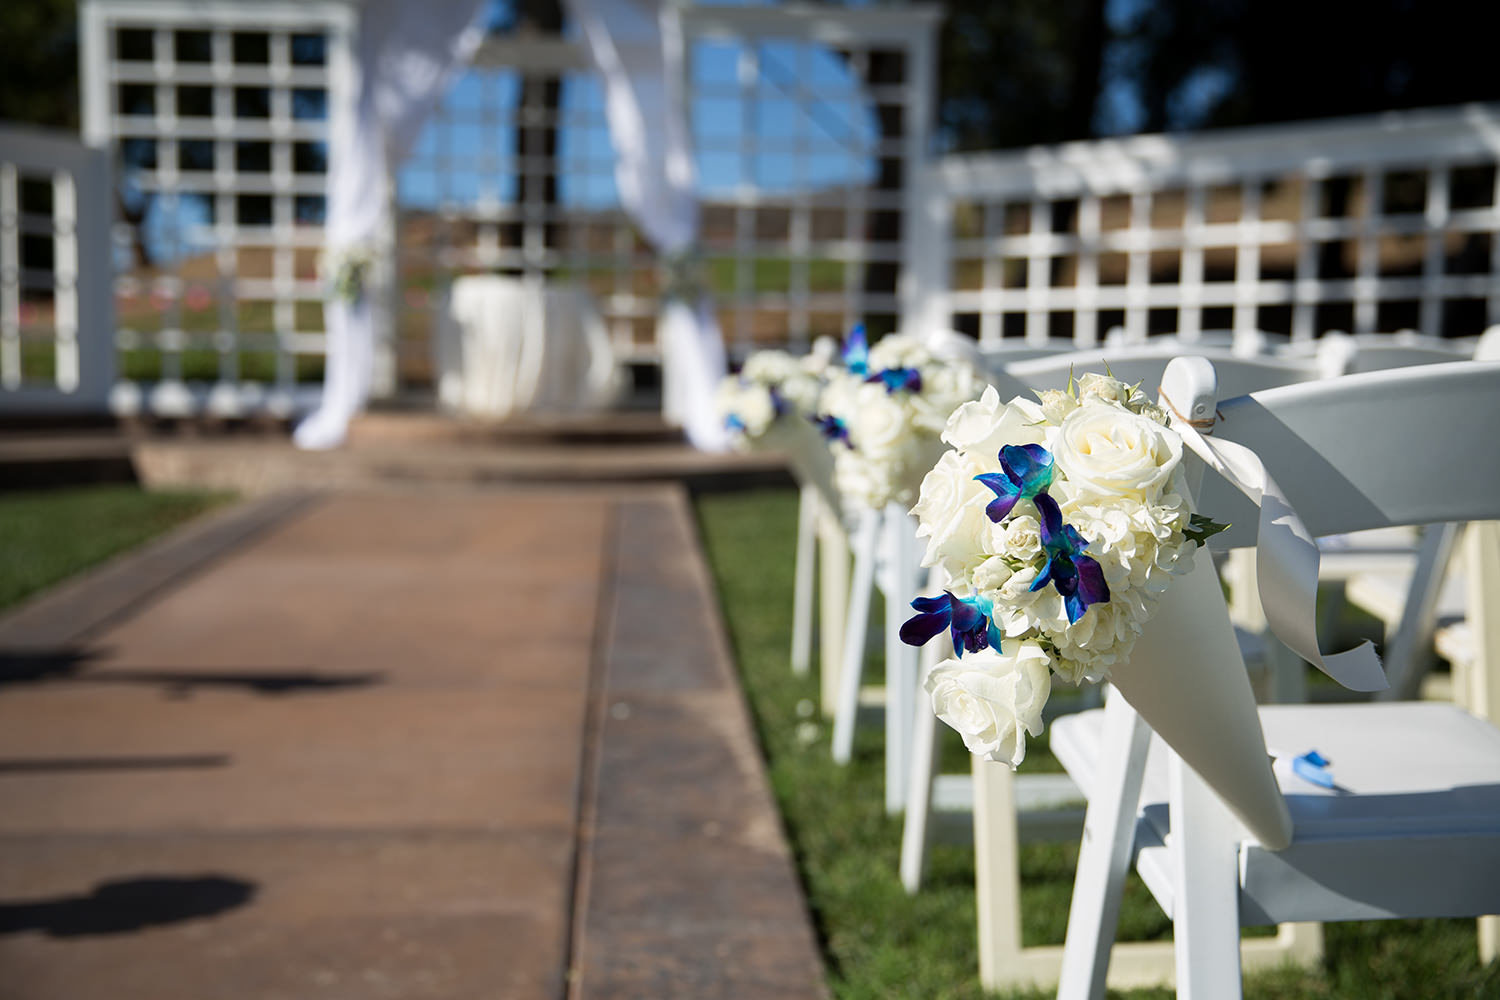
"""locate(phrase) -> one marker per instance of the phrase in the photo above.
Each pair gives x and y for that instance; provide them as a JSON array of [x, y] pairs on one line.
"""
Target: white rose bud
[[1056, 405], [1095, 387], [994, 698]]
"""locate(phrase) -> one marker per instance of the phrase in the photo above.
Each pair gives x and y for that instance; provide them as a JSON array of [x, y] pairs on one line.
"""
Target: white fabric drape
[[508, 345], [637, 47], [404, 54]]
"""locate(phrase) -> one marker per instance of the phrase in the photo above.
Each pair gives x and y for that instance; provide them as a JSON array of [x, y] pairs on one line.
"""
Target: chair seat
[[1416, 785], [1390, 550], [1384, 593]]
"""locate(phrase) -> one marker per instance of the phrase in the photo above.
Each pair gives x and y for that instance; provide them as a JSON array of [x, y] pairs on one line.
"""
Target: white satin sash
[[1286, 563]]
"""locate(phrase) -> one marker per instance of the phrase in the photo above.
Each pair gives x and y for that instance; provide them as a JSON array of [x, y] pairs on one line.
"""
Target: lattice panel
[[1367, 225], [805, 124], [53, 273], [218, 115]]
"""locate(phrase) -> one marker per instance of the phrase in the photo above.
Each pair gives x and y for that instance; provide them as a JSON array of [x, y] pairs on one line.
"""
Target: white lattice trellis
[[54, 274], [1364, 225], [810, 122], [218, 117]]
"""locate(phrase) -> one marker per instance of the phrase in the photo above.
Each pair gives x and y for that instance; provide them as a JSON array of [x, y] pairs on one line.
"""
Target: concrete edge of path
[[67, 612], [686, 883]]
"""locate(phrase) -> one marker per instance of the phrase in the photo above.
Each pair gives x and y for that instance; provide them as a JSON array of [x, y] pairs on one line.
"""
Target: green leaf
[[1201, 528]]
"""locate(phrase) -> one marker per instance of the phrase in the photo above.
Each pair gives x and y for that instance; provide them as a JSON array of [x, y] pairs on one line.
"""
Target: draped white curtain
[[405, 53], [637, 46]]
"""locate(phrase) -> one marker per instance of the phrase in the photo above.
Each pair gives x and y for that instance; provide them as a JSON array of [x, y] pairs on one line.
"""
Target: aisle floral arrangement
[[1058, 524], [884, 412], [771, 388]]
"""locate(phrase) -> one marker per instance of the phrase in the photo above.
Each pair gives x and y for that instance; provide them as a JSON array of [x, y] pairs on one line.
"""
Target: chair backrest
[[1400, 446], [1342, 354], [1145, 365], [1405, 446]]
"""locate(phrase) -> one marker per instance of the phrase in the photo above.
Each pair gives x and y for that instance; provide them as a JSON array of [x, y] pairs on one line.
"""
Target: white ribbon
[[1286, 564]]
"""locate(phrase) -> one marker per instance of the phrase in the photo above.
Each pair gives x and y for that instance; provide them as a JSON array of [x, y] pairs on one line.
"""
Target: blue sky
[[813, 129]]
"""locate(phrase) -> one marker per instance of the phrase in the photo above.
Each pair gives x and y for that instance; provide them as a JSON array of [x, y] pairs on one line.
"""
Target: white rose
[[899, 350], [982, 426], [994, 698], [1021, 538], [1019, 609], [879, 423], [770, 367], [945, 387], [1056, 405], [747, 404], [950, 508], [1106, 451]]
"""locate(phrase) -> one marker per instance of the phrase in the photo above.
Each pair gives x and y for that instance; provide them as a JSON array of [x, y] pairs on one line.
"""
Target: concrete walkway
[[397, 744]]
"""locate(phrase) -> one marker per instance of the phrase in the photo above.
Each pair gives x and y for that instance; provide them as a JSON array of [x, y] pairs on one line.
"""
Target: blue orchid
[[898, 378], [1027, 474], [734, 424], [833, 429], [779, 406], [856, 354], [970, 620], [1076, 576]]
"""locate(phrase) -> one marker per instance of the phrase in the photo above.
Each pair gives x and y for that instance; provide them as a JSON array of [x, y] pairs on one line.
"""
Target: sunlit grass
[[48, 536]]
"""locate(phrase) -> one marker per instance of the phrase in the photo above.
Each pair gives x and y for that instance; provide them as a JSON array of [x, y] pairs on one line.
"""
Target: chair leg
[[1205, 909], [833, 605], [997, 880], [900, 659], [802, 590], [857, 623], [916, 827], [1482, 687], [1408, 648], [1105, 856]]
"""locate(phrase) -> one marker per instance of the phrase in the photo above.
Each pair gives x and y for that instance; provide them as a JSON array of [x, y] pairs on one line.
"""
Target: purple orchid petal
[[1006, 495], [916, 631], [1051, 520], [1091, 584]]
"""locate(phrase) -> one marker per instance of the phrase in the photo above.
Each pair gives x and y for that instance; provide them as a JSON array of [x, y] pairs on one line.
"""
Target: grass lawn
[[48, 536], [880, 943]]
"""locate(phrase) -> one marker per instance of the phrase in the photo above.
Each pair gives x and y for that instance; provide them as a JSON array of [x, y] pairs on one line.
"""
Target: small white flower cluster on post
[[892, 409], [1064, 546], [771, 385], [347, 271]]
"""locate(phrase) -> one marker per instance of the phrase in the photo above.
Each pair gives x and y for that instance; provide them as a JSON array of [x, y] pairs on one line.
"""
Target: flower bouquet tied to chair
[[884, 411], [1058, 523]]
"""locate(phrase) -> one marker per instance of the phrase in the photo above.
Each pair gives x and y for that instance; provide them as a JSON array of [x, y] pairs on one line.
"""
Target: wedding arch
[[757, 155]]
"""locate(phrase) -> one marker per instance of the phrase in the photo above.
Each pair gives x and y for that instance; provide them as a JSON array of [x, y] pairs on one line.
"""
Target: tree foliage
[[39, 62]]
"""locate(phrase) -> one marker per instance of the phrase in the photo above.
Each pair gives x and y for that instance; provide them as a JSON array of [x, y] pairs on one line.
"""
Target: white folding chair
[[1009, 809], [885, 557], [1408, 580], [1411, 826]]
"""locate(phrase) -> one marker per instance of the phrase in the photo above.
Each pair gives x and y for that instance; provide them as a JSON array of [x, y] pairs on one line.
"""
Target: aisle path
[[481, 744]]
